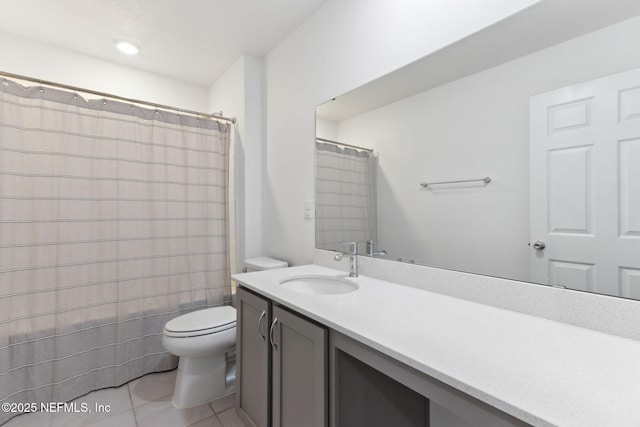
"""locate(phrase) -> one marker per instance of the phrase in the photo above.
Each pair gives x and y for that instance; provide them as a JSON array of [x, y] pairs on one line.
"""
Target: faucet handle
[[353, 247], [370, 247]]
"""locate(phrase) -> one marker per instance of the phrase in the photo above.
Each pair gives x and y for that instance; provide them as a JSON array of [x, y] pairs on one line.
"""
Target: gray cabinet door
[[299, 371], [253, 359]]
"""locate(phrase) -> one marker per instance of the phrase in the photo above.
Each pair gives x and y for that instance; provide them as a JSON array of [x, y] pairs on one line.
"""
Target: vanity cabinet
[[253, 359], [281, 365], [299, 371], [368, 388], [292, 371], [365, 397]]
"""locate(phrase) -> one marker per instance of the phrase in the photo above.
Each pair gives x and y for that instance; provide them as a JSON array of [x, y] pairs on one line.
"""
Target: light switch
[[308, 209]]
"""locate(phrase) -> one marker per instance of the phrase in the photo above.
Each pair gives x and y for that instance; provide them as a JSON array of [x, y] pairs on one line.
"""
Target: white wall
[[344, 44], [471, 128], [46, 62], [239, 92], [326, 129]]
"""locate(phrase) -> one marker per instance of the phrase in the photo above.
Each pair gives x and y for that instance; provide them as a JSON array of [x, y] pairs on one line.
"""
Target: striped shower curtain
[[346, 202], [113, 219]]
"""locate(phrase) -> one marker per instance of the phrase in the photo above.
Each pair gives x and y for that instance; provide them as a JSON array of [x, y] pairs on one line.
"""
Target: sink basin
[[319, 285]]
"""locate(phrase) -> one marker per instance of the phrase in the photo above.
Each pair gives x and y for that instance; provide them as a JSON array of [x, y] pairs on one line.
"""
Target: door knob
[[538, 245]]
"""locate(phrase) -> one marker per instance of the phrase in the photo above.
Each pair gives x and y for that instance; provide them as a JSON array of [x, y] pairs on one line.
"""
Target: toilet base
[[200, 380]]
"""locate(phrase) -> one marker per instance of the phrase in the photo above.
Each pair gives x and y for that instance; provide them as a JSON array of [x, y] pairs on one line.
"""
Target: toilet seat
[[201, 322]]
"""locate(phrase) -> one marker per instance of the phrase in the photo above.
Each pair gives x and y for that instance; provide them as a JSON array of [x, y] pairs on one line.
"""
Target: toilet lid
[[265, 263], [208, 320]]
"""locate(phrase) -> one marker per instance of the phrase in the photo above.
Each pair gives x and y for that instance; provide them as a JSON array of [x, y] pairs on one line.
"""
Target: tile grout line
[[133, 408], [217, 413]]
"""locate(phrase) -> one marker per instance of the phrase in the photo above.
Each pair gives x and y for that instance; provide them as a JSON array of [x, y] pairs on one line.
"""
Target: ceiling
[[190, 40]]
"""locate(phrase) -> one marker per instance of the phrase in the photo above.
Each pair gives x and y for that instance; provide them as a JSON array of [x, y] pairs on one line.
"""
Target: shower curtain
[[113, 220], [345, 196]]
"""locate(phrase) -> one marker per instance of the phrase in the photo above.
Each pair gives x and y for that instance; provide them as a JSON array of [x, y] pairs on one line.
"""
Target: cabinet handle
[[264, 313], [273, 326]]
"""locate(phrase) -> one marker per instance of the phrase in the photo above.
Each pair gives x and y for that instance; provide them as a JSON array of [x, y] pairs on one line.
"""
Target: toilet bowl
[[203, 340]]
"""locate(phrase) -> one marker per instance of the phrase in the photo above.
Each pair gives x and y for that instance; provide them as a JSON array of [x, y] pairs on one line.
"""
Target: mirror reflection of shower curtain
[[346, 196]]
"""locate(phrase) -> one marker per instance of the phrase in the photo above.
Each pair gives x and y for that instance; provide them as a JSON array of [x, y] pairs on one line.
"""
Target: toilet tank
[[257, 264], [263, 263]]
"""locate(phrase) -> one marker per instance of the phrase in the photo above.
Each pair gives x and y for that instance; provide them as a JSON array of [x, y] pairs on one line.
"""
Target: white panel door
[[585, 186]]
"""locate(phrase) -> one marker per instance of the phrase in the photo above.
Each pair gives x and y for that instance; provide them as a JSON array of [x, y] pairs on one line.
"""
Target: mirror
[[526, 103]]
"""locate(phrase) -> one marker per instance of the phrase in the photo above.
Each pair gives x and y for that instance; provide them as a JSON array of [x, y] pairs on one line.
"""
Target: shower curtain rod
[[116, 97], [346, 145]]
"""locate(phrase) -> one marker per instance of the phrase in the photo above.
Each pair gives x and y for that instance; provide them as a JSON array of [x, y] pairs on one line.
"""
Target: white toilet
[[205, 342], [202, 339]]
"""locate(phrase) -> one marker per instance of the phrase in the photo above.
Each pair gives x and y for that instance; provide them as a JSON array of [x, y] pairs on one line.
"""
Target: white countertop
[[540, 371]]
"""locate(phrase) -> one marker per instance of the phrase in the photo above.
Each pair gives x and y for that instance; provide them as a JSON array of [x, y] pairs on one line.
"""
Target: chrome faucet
[[371, 250], [353, 258]]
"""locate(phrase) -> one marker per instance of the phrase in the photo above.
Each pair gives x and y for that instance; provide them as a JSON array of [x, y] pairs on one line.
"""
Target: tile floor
[[140, 403]]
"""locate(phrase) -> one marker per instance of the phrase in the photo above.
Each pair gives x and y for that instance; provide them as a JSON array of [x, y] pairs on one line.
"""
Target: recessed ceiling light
[[126, 47]]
